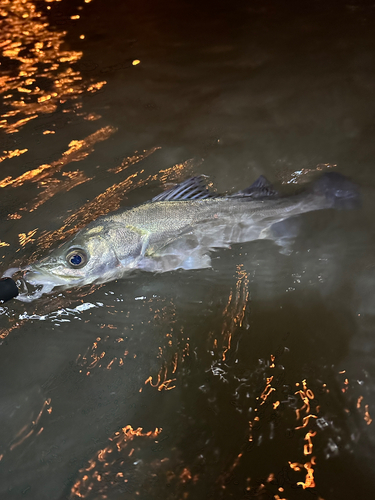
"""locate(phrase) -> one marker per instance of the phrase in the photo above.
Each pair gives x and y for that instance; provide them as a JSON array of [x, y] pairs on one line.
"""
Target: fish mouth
[[39, 276]]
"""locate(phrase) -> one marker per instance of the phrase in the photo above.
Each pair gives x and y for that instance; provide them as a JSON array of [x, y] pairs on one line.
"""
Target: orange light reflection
[[99, 471], [35, 62], [234, 311], [77, 151], [12, 154]]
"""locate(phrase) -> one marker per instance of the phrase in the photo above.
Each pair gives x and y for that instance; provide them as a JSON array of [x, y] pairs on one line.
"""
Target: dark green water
[[262, 371]]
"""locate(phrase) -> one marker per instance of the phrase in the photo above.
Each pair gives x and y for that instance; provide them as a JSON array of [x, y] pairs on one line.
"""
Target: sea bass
[[179, 228]]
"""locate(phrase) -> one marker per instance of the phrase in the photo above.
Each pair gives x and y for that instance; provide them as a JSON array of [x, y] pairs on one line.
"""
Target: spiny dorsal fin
[[259, 189], [191, 189]]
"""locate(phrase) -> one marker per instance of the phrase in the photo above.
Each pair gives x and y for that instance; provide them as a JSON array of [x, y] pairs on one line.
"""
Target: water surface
[[254, 379]]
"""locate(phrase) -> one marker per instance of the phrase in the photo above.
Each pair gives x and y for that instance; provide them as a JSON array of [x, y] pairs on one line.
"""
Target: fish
[[180, 228]]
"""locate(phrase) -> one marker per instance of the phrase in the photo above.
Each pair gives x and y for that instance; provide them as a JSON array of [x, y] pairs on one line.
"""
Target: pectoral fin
[[135, 245], [144, 238]]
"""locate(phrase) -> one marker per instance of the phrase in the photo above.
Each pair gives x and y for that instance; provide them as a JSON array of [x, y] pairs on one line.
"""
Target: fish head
[[87, 258]]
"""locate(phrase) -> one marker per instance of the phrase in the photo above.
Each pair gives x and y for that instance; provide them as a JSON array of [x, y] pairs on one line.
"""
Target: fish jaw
[[57, 276]]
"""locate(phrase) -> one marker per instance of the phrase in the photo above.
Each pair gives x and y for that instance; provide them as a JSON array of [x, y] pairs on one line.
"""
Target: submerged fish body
[[179, 229]]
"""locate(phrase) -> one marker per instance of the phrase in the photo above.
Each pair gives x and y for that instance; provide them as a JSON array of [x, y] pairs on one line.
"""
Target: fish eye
[[76, 258]]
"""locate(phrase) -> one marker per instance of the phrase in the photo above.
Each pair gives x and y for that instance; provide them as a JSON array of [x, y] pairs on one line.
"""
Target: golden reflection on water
[[34, 428], [234, 311], [162, 380], [363, 409], [132, 160], [12, 154], [367, 417], [27, 238], [174, 351], [309, 414], [110, 466], [121, 464], [78, 150], [50, 187], [262, 418], [171, 354], [37, 74], [114, 464], [269, 402]]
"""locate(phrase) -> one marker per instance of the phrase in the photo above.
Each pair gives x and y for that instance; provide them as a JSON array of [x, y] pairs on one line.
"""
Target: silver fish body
[[179, 229]]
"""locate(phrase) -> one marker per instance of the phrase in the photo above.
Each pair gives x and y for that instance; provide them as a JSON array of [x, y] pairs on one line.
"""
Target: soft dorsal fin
[[194, 188], [259, 189]]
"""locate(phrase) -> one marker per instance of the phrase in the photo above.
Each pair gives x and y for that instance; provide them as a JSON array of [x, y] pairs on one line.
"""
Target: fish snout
[[37, 276]]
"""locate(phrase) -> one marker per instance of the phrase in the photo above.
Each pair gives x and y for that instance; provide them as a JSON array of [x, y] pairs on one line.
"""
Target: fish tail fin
[[339, 191]]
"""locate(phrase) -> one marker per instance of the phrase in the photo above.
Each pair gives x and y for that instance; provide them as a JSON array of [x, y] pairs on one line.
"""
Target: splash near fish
[[179, 229]]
